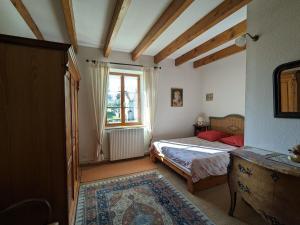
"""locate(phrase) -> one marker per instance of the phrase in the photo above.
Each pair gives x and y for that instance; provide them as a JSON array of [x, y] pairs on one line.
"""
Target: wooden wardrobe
[[39, 84]]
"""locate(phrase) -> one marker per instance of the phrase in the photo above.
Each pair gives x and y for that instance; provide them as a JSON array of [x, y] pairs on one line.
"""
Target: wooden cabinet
[[39, 125], [270, 187]]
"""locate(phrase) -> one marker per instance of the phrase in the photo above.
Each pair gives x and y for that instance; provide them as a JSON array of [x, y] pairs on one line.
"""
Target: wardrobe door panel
[[69, 150], [34, 110], [71, 200], [77, 133], [68, 116], [4, 131]]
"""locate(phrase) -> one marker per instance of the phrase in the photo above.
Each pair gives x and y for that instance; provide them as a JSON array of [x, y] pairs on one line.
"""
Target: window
[[123, 100]]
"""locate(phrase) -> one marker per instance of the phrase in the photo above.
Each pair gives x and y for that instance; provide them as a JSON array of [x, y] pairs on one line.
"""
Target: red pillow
[[212, 135], [235, 140]]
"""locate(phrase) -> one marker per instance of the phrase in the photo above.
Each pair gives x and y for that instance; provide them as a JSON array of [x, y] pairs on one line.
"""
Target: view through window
[[123, 100]]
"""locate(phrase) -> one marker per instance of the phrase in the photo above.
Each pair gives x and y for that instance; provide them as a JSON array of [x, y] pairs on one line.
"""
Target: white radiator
[[126, 143]]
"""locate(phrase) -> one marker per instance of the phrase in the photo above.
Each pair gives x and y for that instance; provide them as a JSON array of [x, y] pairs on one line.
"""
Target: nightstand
[[198, 128]]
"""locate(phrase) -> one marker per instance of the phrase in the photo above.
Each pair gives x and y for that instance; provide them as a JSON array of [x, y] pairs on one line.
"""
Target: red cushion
[[212, 135], [235, 140]]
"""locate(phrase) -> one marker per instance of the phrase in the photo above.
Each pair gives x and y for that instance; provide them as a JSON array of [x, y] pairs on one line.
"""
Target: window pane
[[131, 83], [114, 83], [114, 91], [131, 99], [131, 115], [131, 91], [113, 115], [114, 99], [113, 112]]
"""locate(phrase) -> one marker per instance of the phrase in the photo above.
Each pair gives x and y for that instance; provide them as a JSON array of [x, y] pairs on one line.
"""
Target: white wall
[[278, 23], [175, 122], [226, 79], [171, 122]]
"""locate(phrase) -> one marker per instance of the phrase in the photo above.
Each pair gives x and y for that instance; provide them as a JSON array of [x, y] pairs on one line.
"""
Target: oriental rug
[[141, 199]]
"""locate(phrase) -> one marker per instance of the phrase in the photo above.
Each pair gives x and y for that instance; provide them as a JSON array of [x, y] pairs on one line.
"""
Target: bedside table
[[198, 128]]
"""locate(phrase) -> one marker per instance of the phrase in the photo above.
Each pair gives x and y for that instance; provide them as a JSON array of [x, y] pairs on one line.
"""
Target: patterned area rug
[[141, 199]]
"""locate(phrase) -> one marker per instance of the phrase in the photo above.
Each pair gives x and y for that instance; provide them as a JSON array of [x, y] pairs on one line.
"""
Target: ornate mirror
[[287, 90]]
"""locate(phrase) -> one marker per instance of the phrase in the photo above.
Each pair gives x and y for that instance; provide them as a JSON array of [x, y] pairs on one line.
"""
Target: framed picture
[[176, 97], [209, 97]]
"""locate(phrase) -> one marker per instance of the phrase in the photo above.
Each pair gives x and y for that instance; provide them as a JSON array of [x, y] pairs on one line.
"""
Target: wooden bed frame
[[232, 124]]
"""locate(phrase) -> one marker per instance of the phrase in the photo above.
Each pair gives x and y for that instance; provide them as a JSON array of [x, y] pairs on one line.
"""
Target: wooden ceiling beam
[[117, 19], [18, 4], [228, 35], [70, 23], [225, 9], [175, 8], [218, 55]]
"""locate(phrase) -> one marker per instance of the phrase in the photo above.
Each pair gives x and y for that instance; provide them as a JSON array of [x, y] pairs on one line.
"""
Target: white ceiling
[[141, 15], [191, 15], [49, 17], [92, 18], [11, 22]]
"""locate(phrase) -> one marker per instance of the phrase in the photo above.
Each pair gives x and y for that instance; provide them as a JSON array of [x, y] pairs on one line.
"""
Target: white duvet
[[197, 157]]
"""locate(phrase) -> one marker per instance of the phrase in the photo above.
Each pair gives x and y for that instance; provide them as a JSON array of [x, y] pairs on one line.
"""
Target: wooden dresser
[[39, 125], [268, 182]]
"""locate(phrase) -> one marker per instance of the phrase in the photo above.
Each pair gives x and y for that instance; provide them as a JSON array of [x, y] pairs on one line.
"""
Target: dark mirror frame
[[276, 89]]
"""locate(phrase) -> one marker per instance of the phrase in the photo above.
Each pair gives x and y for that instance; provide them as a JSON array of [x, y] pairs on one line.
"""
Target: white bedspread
[[196, 156]]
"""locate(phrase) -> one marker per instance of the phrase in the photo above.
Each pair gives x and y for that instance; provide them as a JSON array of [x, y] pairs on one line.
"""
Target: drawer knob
[[275, 176], [243, 187], [271, 219], [245, 170]]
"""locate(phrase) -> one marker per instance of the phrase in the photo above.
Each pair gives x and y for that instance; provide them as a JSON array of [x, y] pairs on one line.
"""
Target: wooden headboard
[[232, 123]]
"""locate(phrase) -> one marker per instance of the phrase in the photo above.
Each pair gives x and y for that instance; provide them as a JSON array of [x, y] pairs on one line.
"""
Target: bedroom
[[40, 121]]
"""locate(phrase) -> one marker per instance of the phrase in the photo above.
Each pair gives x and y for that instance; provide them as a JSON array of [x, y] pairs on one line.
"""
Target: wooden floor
[[214, 202], [113, 169]]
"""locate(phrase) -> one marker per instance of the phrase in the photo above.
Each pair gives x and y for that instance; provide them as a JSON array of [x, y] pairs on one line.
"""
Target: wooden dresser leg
[[231, 187], [232, 203], [190, 185]]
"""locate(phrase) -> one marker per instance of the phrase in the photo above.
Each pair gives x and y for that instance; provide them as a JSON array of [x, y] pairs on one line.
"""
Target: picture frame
[[209, 97], [279, 98], [176, 97]]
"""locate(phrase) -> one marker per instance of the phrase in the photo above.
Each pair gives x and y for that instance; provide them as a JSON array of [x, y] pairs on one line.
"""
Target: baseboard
[[93, 163], [105, 161]]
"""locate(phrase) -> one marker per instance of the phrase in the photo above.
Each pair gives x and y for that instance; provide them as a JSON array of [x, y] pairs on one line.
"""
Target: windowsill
[[124, 127]]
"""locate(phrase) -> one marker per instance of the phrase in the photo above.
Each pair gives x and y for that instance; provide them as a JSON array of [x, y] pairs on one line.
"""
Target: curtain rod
[[123, 64]]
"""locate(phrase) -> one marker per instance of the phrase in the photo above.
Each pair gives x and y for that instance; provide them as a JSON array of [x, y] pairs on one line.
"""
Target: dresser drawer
[[254, 183], [253, 174]]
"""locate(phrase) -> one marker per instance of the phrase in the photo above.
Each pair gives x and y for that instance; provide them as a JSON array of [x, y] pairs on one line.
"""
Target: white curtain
[[150, 102], [98, 74]]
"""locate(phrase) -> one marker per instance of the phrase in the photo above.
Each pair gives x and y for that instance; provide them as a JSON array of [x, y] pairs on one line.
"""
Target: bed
[[202, 163]]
